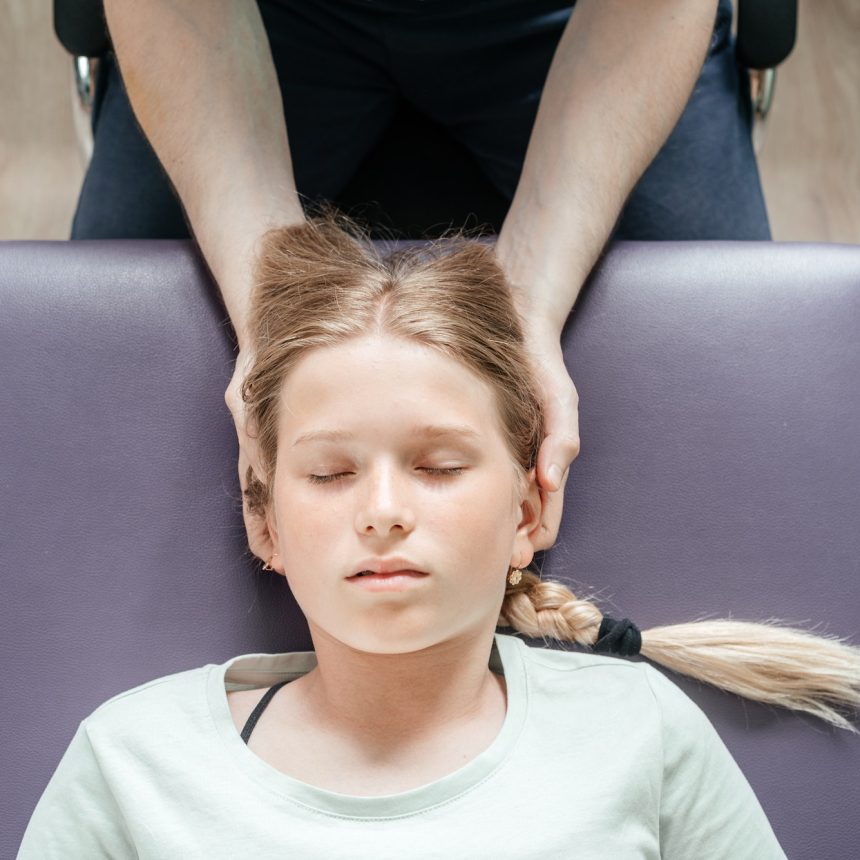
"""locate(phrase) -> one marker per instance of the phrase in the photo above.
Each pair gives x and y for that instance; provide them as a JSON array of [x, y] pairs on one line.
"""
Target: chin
[[390, 640], [393, 638], [391, 643]]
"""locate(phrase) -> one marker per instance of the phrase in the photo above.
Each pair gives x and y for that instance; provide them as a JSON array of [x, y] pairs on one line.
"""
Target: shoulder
[[152, 706], [573, 659], [584, 668], [609, 683], [664, 714]]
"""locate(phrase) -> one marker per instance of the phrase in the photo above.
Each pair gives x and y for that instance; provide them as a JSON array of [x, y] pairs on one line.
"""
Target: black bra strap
[[258, 711]]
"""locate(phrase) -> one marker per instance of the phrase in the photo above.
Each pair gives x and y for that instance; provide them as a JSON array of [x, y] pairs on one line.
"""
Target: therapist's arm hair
[[203, 87], [619, 80]]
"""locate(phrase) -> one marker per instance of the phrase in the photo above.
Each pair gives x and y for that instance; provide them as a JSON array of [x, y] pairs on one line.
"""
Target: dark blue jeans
[[478, 69]]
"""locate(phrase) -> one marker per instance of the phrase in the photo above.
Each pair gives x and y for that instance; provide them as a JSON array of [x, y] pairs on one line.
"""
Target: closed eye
[[454, 470], [327, 479]]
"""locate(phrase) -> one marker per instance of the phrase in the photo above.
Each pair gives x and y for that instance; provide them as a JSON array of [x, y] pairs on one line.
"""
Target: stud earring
[[515, 576]]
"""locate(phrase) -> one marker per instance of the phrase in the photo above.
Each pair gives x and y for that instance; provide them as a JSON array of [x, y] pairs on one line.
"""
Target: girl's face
[[388, 450]]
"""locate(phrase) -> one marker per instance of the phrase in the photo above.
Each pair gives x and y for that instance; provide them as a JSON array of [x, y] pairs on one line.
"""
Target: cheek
[[484, 525], [305, 525], [308, 540]]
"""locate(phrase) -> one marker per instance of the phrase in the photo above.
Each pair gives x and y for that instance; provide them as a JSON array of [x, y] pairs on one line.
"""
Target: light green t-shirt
[[597, 757]]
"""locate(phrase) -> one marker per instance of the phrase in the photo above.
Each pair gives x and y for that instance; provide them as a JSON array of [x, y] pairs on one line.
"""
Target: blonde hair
[[320, 283]]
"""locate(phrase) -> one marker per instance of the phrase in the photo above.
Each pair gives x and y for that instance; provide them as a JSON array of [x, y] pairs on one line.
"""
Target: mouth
[[382, 567], [370, 574], [389, 582]]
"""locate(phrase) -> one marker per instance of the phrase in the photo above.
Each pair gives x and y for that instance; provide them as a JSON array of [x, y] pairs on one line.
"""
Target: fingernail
[[555, 475]]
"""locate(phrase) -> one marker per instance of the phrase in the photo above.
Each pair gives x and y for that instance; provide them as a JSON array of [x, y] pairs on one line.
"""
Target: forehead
[[383, 384]]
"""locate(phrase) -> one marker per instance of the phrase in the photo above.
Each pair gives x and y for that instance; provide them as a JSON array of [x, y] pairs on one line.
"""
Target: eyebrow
[[427, 431]]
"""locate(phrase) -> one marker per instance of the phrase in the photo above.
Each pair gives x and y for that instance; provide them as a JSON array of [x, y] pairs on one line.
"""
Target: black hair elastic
[[619, 637]]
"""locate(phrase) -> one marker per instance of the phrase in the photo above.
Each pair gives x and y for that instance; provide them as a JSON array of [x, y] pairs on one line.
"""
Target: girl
[[398, 428]]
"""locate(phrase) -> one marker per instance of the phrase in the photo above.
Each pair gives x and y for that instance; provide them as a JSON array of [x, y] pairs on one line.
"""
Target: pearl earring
[[515, 576]]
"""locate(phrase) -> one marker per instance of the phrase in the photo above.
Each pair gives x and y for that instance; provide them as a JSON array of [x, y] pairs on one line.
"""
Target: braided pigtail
[[539, 609], [764, 662]]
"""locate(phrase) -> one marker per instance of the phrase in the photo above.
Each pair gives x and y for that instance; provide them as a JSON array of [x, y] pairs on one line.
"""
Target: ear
[[263, 538], [270, 540], [533, 500]]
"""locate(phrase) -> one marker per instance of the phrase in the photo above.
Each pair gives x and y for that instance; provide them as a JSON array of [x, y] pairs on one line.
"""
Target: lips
[[391, 583], [382, 567]]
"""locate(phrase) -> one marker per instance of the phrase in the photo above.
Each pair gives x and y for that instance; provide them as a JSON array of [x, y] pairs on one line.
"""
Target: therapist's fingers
[[550, 517], [236, 405], [561, 443], [256, 528], [259, 540]]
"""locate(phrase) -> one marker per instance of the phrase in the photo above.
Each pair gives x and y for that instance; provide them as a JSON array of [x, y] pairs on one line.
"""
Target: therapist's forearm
[[620, 78], [202, 83]]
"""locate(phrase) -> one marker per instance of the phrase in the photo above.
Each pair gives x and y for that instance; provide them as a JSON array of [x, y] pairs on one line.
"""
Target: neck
[[387, 700]]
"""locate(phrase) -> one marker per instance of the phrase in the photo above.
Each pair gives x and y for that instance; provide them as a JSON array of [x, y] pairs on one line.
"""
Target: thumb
[[561, 446]]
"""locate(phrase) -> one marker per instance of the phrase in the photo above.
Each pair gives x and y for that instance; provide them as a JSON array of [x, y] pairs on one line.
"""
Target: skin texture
[[424, 651]]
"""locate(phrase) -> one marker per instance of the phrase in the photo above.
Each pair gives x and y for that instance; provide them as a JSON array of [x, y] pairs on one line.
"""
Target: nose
[[384, 507]]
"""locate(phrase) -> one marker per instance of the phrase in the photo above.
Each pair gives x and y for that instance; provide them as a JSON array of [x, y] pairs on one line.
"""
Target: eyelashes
[[440, 473], [326, 479]]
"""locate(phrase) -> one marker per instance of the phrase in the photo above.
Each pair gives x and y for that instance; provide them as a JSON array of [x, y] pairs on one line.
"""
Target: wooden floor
[[809, 151], [809, 154]]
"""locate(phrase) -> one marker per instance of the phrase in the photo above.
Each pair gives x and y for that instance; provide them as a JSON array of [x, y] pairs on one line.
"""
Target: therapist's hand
[[259, 539], [561, 443]]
